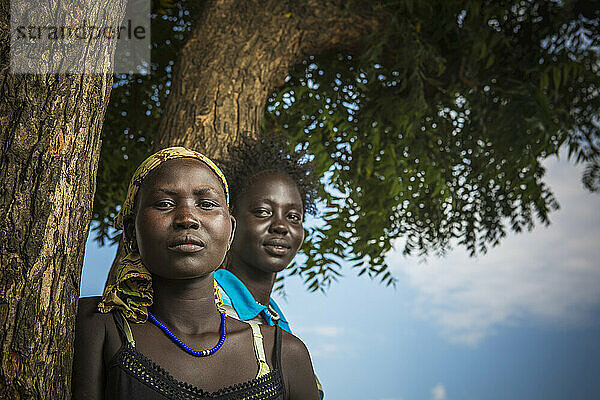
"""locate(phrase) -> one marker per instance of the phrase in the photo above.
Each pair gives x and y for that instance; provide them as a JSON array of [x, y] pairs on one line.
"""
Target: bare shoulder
[[89, 350], [297, 368], [88, 305], [96, 329], [89, 320], [293, 347]]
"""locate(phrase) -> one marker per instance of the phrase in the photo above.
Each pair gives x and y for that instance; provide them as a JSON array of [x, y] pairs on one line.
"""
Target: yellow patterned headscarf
[[132, 291]]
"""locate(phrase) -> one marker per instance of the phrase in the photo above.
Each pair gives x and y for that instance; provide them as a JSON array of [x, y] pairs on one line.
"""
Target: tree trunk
[[237, 54], [49, 147]]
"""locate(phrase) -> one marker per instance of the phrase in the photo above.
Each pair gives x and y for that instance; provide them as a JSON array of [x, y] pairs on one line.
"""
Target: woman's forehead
[[183, 171], [273, 186]]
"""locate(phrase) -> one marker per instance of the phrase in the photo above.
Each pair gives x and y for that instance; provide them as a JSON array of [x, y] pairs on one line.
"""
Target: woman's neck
[[186, 305], [259, 283]]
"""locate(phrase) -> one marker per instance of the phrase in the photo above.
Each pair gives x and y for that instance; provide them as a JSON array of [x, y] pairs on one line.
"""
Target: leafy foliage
[[434, 134]]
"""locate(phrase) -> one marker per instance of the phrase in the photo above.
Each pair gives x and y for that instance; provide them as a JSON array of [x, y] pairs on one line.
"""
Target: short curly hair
[[250, 158]]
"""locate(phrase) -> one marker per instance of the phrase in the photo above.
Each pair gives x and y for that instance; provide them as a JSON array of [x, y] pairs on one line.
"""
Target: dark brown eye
[[207, 204], [262, 212], [163, 204], [295, 218]]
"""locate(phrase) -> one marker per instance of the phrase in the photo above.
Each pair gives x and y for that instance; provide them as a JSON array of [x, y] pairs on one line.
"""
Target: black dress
[[133, 376]]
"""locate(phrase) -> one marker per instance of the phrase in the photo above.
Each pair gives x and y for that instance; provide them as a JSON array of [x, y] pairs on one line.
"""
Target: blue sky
[[521, 322]]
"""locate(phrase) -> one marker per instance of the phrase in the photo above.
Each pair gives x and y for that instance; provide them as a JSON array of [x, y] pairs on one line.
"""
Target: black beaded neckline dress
[[133, 376]]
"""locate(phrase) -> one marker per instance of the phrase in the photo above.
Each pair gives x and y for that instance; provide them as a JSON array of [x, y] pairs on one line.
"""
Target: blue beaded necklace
[[178, 342]]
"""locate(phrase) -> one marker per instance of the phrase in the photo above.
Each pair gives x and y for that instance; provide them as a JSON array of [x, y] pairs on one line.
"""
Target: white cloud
[[327, 350], [325, 339], [550, 274], [438, 392]]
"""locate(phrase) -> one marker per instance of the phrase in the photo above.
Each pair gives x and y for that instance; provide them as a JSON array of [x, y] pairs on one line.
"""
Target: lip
[[186, 245], [277, 247]]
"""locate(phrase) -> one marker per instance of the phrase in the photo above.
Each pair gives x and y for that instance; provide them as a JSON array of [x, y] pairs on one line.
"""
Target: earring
[[132, 244]]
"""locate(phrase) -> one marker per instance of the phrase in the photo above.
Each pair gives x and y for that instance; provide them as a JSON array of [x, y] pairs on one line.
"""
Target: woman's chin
[[182, 273], [275, 266]]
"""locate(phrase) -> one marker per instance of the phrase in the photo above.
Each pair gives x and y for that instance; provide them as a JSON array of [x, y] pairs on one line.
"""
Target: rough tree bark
[[49, 147], [237, 54]]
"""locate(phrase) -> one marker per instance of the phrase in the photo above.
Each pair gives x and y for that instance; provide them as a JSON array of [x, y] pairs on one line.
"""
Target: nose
[[278, 225], [186, 218]]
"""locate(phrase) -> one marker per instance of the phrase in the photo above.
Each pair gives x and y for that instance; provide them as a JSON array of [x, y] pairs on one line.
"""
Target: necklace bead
[[189, 350], [272, 313]]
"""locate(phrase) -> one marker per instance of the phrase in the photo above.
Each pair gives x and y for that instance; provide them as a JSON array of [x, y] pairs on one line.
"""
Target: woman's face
[[182, 225], [269, 216]]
